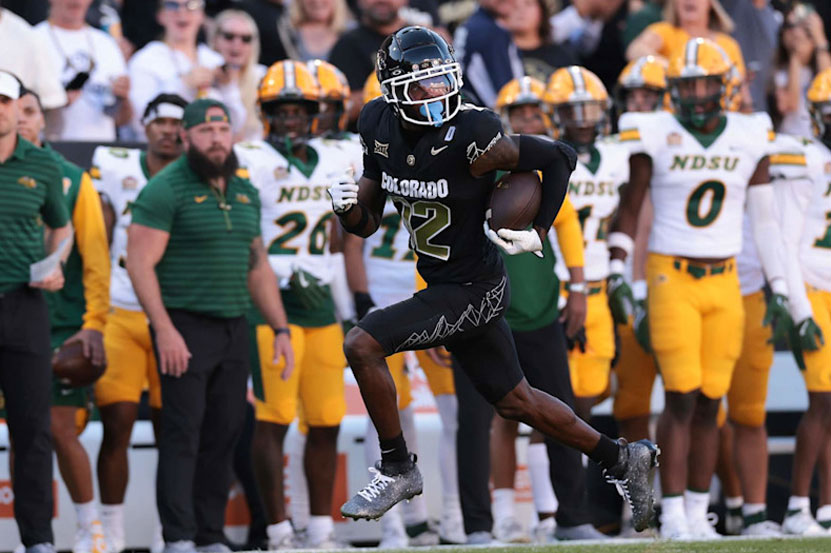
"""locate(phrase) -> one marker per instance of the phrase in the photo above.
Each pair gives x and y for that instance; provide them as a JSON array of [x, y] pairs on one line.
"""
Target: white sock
[[297, 489], [733, 502], [112, 519], [673, 506], [696, 504], [276, 532], [750, 509], [824, 513], [796, 503], [538, 469], [86, 514], [502, 504], [448, 407], [320, 528]]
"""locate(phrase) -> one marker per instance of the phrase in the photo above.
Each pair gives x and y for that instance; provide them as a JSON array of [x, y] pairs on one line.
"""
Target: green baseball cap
[[196, 112]]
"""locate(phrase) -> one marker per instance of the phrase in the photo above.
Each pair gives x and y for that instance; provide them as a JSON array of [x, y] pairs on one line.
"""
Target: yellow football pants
[[817, 372], [316, 382], [131, 363], [636, 372], [590, 370], [696, 323]]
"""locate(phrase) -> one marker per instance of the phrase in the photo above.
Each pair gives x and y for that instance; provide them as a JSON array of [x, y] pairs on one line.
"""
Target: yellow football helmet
[[698, 77], [372, 88], [648, 74], [819, 104], [288, 81], [334, 94], [579, 104], [526, 91]]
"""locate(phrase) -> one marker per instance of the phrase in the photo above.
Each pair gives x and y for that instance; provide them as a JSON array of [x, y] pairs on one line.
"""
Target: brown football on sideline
[[73, 369]]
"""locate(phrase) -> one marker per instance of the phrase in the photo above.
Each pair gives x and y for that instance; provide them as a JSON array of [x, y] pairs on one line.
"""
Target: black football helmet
[[419, 76]]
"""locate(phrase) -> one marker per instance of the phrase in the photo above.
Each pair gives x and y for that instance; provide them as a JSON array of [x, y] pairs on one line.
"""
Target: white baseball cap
[[9, 85]]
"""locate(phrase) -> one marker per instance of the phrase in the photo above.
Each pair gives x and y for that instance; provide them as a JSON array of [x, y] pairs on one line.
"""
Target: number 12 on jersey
[[436, 218]]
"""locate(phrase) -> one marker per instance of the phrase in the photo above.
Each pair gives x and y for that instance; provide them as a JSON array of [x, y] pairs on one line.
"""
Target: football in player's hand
[[515, 201], [72, 368]]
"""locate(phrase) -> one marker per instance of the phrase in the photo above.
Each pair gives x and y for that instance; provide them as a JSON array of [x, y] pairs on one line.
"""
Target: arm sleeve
[[792, 198], [54, 210], [569, 235], [766, 232], [556, 160], [155, 206], [630, 134], [91, 239]]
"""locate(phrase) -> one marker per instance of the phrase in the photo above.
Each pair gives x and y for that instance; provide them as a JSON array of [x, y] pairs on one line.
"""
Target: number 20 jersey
[[296, 208], [427, 177], [699, 182]]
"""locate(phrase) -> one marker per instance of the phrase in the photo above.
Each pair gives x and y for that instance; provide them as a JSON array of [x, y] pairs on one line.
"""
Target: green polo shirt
[[31, 195], [535, 289], [205, 266]]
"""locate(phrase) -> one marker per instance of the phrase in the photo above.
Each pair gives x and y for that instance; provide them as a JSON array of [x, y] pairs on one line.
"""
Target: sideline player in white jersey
[[381, 271], [699, 165], [805, 210], [292, 171], [119, 175], [580, 108]]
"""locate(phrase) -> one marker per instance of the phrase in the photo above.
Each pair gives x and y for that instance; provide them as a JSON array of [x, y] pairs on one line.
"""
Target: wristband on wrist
[[639, 290], [621, 240], [281, 330], [577, 288], [617, 266]]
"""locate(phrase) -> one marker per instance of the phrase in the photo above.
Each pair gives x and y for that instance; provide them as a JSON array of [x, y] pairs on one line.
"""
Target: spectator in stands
[[758, 38], [487, 52], [31, 61], [270, 18], [530, 27], [237, 40], [354, 52], [684, 19], [177, 64], [92, 71], [316, 26], [802, 53], [640, 15]]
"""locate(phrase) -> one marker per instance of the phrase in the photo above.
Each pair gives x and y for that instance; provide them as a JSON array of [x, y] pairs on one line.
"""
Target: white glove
[[344, 194], [513, 242]]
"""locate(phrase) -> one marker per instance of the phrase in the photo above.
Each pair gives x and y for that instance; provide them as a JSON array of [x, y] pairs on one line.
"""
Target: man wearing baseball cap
[[119, 175], [31, 198], [195, 256]]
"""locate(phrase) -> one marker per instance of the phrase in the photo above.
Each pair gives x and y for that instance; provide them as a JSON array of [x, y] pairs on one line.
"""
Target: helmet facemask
[[581, 122], [697, 100], [821, 120], [639, 99], [427, 97], [291, 123]]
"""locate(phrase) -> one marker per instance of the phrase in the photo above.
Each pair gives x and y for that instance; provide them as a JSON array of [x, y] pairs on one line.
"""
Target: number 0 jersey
[[120, 174], [815, 245], [594, 191], [699, 182], [427, 176], [296, 208], [389, 261]]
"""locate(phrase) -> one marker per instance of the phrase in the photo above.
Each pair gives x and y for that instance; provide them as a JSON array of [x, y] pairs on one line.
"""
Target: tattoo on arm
[[503, 155]]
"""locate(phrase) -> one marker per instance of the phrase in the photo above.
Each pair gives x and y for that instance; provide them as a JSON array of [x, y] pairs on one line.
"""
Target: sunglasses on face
[[190, 5], [245, 38]]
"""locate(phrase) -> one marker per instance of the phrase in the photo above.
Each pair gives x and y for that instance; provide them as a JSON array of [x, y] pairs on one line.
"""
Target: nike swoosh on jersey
[[436, 151], [200, 199]]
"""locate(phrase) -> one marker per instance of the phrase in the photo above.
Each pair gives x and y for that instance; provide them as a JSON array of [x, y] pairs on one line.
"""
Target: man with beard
[[354, 53], [194, 254], [119, 175]]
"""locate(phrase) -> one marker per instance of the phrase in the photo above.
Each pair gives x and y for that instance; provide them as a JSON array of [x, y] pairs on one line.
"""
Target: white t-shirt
[[91, 116], [158, 68], [27, 57], [798, 122]]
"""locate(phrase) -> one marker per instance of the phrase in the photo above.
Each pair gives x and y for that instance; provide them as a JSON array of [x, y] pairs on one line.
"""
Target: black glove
[[577, 341]]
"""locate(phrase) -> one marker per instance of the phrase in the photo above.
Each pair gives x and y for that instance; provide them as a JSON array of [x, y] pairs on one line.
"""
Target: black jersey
[[441, 204]]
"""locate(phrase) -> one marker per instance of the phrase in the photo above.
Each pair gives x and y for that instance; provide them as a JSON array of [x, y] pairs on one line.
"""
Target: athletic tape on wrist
[[621, 240]]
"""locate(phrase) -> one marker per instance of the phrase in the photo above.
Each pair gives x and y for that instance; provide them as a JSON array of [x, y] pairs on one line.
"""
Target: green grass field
[[734, 545]]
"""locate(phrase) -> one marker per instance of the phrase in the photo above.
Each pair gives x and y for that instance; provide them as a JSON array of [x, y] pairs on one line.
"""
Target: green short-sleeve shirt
[[205, 266], [31, 195]]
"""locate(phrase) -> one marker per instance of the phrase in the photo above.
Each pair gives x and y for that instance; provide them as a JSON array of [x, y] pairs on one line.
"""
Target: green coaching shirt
[[31, 195], [205, 266], [535, 289]]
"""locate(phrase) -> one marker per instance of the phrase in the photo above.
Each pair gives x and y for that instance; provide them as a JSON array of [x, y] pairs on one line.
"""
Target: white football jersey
[[699, 184], [815, 245], [594, 190], [389, 260], [120, 174], [296, 208]]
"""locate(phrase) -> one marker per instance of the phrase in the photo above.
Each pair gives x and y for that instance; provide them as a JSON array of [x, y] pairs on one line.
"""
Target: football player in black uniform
[[435, 157]]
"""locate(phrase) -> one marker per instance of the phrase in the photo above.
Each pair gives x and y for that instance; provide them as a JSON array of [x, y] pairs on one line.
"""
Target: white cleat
[[674, 528], [509, 530], [90, 539], [393, 534], [543, 532], [764, 529], [452, 529], [802, 523], [703, 528]]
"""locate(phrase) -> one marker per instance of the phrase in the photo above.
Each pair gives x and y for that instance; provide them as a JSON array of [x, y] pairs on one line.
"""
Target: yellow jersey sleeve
[[91, 238], [569, 234]]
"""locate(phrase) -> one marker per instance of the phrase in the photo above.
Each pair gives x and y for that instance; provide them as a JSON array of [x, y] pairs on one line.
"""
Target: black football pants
[[202, 415], [544, 360], [26, 382]]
